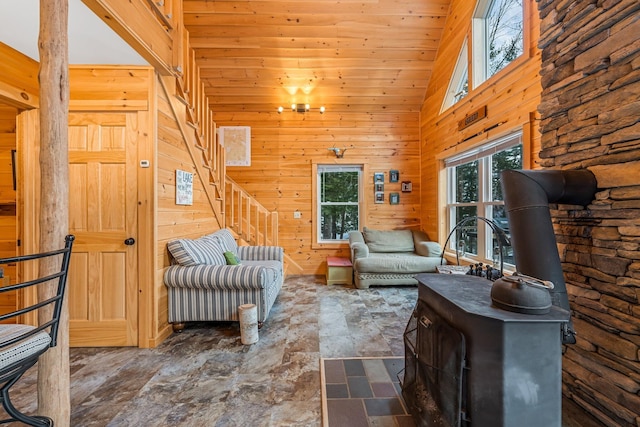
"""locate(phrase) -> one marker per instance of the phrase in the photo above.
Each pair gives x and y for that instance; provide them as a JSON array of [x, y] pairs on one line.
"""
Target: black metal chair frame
[[10, 374]]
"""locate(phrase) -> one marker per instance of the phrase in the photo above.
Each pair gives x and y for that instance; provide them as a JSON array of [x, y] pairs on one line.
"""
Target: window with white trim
[[338, 202], [459, 83], [473, 190], [498, 36]]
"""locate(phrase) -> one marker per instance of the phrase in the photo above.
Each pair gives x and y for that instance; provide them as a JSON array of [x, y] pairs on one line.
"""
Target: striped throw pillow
[[196, 252]]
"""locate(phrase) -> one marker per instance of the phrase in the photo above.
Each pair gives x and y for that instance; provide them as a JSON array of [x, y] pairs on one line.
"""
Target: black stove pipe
[[527, 194]]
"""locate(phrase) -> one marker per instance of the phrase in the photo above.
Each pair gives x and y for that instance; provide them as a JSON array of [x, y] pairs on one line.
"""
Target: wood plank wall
[[511, 96], [18, 78], [8, 232], [174, 221], [7, 143], [18, 89], [284, 148]]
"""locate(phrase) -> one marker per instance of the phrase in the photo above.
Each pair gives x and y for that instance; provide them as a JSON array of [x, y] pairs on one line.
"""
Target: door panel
[[102, 214]]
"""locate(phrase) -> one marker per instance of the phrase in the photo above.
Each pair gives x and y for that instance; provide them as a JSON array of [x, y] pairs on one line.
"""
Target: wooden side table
[[339, 270]]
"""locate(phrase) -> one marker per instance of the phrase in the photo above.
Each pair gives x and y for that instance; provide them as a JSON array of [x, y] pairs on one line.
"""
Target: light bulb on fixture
[[301, 108]]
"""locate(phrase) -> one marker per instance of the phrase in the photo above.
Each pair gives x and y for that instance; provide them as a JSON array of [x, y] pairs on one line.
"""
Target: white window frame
[[320, 168], [485, 204], [479, 48], [460, 74]]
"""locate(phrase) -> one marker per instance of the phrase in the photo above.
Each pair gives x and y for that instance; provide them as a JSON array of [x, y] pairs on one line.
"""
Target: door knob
[[130, 241]]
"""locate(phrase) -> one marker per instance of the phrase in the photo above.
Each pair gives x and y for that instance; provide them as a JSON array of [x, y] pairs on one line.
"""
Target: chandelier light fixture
[[301, 108]]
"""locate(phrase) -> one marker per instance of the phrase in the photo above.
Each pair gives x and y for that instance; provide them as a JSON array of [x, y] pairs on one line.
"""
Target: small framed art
[[394, 175], [379, 187], [237, 144], [378, 177], [184, 187], [379, 197], [406, 186], [394, 198]]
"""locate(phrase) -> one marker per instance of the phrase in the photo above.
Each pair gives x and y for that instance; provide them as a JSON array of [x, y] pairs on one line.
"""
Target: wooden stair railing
[[212, 189], [250, 220], [163, 11], [190, 90], [190, 107], [254, 224]]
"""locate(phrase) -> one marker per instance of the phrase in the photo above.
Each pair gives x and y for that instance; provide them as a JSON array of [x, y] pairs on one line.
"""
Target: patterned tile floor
[[363, 392], [205, 377]]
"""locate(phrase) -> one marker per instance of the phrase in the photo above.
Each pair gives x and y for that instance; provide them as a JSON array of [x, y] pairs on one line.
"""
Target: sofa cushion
[[273, 269], [220, 277], [396, 263], [261, 253], [24, 348], [429, 249], [196, 252], [388, 241], [225, 239]]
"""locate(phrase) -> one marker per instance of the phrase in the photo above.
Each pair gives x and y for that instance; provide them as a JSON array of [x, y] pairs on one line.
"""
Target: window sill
[[450, 256], [330, 245]]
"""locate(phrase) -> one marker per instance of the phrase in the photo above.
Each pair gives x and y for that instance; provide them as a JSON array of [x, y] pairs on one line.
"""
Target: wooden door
[[103, 297]]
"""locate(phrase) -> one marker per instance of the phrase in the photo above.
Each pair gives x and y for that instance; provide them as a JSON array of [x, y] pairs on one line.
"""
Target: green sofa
[[392, 257]]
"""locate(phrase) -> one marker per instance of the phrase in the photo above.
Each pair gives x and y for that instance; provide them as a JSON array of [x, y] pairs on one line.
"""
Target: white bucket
[[248, 314]]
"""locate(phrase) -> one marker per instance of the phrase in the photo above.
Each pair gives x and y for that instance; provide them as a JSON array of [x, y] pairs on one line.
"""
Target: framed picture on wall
[[394, 175], [379, 187], [379, 197], [184, 187], [378, 177], [394, 198], [406, 186], [237, 144]]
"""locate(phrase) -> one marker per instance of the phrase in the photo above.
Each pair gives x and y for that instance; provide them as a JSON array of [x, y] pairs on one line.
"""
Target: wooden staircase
[[233, 207]]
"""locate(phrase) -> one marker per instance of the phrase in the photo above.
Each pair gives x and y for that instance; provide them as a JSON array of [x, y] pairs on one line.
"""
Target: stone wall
[[590, 113]]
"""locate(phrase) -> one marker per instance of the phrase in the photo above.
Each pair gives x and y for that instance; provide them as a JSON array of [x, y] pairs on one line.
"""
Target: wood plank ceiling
[[359, 55]]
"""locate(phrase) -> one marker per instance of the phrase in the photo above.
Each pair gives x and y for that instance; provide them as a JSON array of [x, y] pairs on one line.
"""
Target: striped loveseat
[[204, 285]]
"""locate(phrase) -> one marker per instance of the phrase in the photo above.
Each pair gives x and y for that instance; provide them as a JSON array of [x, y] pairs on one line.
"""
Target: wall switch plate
[[297, 214]]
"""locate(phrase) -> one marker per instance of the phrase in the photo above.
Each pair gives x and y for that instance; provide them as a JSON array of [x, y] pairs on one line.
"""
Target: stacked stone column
[[590, 118]]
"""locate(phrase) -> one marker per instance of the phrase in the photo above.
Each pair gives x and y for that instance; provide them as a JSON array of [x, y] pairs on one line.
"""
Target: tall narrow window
[[338, 202], [498, 36], [473, 182], [459, 83]]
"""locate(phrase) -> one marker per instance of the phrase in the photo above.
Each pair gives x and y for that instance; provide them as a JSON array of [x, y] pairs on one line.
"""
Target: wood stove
[[468, 363]]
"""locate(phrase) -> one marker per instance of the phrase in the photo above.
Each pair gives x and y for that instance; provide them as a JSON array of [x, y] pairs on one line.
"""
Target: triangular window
[[459, 83]]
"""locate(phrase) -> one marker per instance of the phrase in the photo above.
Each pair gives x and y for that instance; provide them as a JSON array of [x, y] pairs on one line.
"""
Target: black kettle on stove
[[522, 294]]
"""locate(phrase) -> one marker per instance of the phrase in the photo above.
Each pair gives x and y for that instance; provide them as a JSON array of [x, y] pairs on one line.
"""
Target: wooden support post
[[53, 366]]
